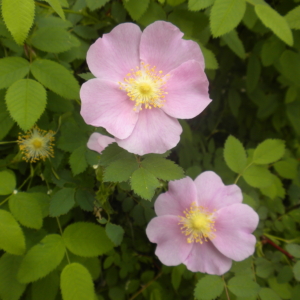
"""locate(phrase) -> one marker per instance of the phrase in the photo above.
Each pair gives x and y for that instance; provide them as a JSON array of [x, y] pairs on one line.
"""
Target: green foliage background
[[71, 231]]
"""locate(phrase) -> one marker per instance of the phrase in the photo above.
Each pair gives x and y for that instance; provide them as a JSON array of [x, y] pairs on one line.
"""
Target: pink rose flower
[[202, 224], [144, 82], [98, 142]]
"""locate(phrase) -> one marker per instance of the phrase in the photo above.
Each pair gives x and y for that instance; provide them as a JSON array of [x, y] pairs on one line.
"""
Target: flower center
[[145, 86], [36, 143], [197, 224]]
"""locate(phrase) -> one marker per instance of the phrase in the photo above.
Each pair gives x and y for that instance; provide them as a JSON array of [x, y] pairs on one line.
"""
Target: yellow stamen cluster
[[197, 224], [145, 86], [36, 144]]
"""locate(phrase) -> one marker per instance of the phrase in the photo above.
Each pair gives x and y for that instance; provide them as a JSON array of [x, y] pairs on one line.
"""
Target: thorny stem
[[265, 240], [226, 290], [146, 286], [61, 233]]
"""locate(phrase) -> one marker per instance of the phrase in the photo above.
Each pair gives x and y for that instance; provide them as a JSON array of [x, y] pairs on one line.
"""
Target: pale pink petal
[[213, 194], [187, 90], [205, 258], [172, 246], [179, 197], [112, 56], [98, 142], [155, 132], [234, 225], [162, 46], [105, 105]]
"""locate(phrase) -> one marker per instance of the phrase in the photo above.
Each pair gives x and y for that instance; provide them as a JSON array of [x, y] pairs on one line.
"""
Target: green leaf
[[7, 182], [209, 58], [209, 287], [112, 153], [243, 286], [121, 169], [268, 294], [292, 111], [226, 15], [26, 209], [6, 122], [51, 21], [92, 4], [12, 69], [287, 168], [136, 8], [61, 202], [195, 5], [53, 39], [271, 50], [275, 189], [296, 270], [26, 101], [268, 151], [162, 168], [18, 16], [293, 18], [76, 283], [46, 288], [77, 160], [283, 290], [153, 13], [144, 183], [85, 199], [277, 23], [42, 258], [235, 155], [55, 4], [86, 239], [293, 249], [291, 94], [56, 78], [253, 72], [175, 2], [258, 176], [10, 287], [115, 233], [234, 43], [12, 239], [86, 76], [290, 66], [176, 276]]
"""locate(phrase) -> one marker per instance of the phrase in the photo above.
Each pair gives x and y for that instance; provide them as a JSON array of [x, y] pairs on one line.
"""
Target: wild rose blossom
[[202, 224], [98, 142], [144, 82]]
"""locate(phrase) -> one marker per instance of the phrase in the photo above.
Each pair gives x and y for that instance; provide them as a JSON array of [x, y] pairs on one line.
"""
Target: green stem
[[61, 233], [4, 143], [239, 176], [226, 290], [146, 286], [5, 200]]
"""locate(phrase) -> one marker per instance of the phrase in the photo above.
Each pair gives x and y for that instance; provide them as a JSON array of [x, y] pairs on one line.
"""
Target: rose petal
[[105, 105], [172, 247], [98, 142], [205, 258], [112, 56], [187, 90], [162, 46], [179, 197], [213, 194], [234, 225], [155, 132]]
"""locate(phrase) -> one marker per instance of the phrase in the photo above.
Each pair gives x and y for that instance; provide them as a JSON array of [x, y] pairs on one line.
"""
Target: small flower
[[36, 144], [98, 142], [202, 224], [144, 82]]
